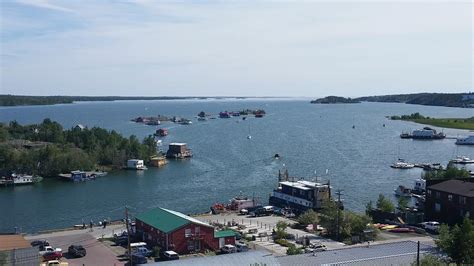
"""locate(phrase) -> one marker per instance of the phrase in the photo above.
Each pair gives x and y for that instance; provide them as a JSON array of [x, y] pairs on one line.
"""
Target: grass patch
[[459, 123]]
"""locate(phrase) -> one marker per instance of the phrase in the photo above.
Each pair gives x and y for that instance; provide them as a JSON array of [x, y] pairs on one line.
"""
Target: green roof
[[224, 233], [167, 220]]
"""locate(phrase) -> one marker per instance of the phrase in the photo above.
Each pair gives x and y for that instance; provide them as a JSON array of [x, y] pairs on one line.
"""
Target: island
[[334, 100], [458, 123], [464, 100]]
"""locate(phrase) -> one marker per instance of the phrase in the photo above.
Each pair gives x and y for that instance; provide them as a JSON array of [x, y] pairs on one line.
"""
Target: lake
[[309, 138]]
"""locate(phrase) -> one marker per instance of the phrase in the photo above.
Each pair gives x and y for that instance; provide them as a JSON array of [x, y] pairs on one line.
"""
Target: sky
[[235, 48]]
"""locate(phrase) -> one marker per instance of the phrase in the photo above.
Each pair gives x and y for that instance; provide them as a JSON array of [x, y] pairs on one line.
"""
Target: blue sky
[[239, 48]]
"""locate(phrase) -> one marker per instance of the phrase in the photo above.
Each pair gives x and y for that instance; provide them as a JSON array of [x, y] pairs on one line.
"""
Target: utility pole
[[338, 193], [128, 237]]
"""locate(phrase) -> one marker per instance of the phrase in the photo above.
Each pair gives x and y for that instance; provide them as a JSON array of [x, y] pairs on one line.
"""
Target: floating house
[[172, 230], [178, 151], [158, 161], [299, 195], [136, 164]]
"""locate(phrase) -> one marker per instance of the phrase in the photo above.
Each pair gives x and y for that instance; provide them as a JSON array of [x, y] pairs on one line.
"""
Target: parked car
[[315, 247], [47, 249], [241, 247], [39, 243], [142, 251], [227, 249], [53, 255], [76, 251], [138, 259], [170, 255], [431, 226], [54, 263]]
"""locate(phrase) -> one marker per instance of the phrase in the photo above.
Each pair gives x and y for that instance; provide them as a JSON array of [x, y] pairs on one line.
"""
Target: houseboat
[[15, 179], [425, 133], [466, 141], [158, 161], [161, 132], [178, 151], [299, 195], [136, 164]]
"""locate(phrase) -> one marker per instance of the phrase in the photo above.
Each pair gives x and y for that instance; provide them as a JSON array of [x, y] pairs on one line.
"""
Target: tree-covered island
[[334, 99], [47, 149]]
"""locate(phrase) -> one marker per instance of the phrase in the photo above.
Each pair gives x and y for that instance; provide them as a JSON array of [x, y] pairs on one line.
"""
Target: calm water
[[310, 138]]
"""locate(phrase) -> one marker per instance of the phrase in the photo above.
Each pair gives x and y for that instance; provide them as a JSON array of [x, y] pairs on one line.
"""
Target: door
[[221, 242]]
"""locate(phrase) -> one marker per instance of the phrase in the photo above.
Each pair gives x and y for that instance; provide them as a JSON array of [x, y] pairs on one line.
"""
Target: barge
[[426, 133]]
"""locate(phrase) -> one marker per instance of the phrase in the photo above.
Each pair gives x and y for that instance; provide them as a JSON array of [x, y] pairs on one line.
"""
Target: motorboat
[[401, 164], [462, 160], [402, 191]]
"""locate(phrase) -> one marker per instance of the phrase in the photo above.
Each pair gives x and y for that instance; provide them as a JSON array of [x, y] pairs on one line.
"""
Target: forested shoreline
[[47, 149]]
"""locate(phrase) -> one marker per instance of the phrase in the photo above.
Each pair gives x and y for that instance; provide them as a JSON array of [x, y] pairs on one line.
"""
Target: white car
[[229, 249], [431, 226]]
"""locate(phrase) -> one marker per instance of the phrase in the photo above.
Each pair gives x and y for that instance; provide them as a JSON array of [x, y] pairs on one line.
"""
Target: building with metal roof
[[172, 230]]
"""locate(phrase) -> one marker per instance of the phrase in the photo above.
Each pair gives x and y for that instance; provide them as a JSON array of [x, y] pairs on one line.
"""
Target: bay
[[309, 138]]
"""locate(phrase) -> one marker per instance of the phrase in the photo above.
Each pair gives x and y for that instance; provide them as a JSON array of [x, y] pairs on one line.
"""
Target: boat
[[224, 114], [202, 119], [185, 122], [259, 115], [153, 123], [420, 186], [276, 156], [466, 141], [21, 179], [425, 133], [162, 132], [401, 164], [462, 160], [402, 191]]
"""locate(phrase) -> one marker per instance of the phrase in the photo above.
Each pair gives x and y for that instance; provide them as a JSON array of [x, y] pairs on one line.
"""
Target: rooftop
[[458, 187], [9, 242], [167, 220], [177, 144], [303, 184], [224, 233]]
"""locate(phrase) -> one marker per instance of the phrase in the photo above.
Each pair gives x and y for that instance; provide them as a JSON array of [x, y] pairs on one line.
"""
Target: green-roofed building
[[183, 234]]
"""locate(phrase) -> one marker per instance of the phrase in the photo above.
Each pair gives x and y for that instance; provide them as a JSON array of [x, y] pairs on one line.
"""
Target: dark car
[[40, 243], [77, 251], [138, 259], [52, 256]]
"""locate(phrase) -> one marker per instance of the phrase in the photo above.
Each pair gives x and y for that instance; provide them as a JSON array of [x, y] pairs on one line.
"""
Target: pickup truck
[[47, 249]]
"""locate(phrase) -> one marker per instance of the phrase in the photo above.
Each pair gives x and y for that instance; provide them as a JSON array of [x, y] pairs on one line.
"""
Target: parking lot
[[97, 252], [264, 226]]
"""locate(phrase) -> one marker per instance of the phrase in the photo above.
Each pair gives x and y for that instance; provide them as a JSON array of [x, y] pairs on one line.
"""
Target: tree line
[[47, 149]]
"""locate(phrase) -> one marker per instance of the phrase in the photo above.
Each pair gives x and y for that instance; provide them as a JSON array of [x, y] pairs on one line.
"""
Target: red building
[[183, 234]]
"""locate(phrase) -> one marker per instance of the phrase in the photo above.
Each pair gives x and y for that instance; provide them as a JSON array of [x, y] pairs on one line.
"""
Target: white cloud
[[246, 48]]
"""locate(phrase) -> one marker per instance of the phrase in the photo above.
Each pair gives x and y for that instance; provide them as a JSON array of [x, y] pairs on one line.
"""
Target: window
[[190, 245], [468, 214], [187, 232], [462, 200], [437, 207], [438, 195], [429, 192], [450, 197], [197, 230], [461, 212]]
